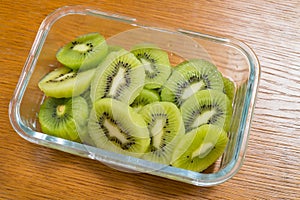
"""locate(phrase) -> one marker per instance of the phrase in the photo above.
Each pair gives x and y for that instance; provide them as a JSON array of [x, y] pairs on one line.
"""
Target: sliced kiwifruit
[[63, 117], [200, 148], [156, 63], [189, 77], [120, 76], [116, 127], [64, 82], [207, 107], [166, 128], [229, 88], [84, 52], [145, 97]]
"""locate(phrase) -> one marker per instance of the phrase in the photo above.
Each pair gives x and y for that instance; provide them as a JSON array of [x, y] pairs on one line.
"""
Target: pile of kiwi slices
[[134, 102]]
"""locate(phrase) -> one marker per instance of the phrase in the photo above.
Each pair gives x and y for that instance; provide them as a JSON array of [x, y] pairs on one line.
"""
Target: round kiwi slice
[[189, 77], [84, 52], [116, 127], [145, 97], [200, 148], [229, 88], [64, 82], [120, 76], [166, 127], [207, 107], [156, 63], [63, 117]]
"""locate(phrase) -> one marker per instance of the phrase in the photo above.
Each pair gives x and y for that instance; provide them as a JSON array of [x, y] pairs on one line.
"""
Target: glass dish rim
[[194, 178]]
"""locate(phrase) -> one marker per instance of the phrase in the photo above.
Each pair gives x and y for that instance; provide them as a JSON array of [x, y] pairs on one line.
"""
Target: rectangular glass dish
[[233, 59]]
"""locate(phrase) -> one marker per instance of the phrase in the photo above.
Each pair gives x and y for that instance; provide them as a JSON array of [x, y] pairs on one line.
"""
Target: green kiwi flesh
[[165, 127], [113, 48], [116, 127], [229, 88], [63, 117], [190, 77], [87, 97], [134, 103], [64, 82], [84, 52], [145, 97], [120, 76], [200, 148], [207, 107], [156, 63]]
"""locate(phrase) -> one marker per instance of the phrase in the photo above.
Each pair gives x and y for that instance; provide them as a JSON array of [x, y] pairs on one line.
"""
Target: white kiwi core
[[60, 110], [117, 80], [203, 150], [203, 118], [114, 131], [192, 89], [157, 132], [81, 47]]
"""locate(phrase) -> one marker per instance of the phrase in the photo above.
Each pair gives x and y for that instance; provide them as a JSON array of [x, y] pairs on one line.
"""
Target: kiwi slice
[[64, 82], [189, 77], [229, 88], [120, 76], [200, 148], [156, 63], [166, 127], [116, 127], [84, 52], [63, 117], [207, 107], [145, 97]]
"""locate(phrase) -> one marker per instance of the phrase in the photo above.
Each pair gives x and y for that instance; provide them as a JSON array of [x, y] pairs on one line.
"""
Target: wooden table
[[272, 166]]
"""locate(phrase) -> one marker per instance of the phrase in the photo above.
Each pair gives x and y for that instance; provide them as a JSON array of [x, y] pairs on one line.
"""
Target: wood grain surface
[[271, 169]]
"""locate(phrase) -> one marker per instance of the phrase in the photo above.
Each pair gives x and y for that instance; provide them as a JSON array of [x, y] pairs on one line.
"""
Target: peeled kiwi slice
[[64, 82], [120, 76], [156, 63], [229, 88], [200, 148], [207, 107], [145, 97], [166, 128], [190, 77], [84, 52], [116, 127], [63, 117]]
